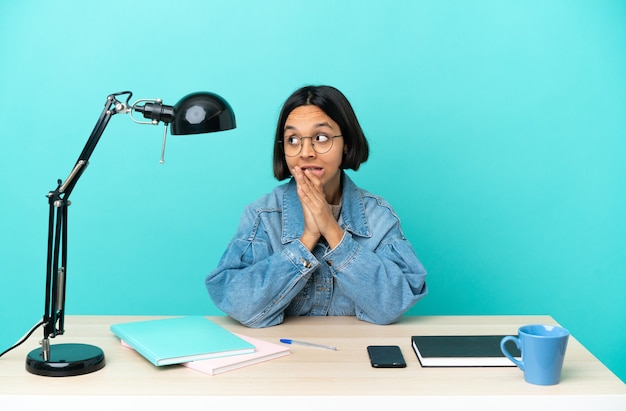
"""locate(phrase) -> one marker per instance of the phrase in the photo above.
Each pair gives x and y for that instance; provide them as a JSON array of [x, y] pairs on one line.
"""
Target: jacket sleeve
[[252, 282], [383, 281]]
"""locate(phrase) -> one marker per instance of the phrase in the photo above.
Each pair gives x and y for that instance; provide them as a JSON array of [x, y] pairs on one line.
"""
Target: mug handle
[[516, 340]]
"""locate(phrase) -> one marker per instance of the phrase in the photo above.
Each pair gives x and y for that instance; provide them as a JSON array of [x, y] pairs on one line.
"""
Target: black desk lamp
[[196, 113]]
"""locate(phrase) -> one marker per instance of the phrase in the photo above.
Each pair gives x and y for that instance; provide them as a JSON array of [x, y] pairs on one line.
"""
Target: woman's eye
[[293, 141], [321, 138]]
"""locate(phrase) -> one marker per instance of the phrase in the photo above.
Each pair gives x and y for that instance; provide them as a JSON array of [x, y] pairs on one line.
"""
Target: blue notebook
[[180, 339]]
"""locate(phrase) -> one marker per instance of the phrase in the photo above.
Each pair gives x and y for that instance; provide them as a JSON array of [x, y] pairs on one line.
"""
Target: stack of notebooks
[[195, 342]]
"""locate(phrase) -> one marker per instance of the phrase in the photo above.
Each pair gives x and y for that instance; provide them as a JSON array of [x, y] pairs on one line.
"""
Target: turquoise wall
[[497, 131]]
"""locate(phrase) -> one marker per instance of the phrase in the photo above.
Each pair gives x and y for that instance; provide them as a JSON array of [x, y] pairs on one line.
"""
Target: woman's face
[[311, 121]]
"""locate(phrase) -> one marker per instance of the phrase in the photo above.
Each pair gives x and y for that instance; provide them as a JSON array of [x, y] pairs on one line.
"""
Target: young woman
[[317, 245]]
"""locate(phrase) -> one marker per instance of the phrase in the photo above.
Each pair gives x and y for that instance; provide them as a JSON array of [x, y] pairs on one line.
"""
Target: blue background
[[497, 131]]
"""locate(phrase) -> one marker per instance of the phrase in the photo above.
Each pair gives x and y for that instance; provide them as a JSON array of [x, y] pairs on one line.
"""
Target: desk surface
[[315, 373]]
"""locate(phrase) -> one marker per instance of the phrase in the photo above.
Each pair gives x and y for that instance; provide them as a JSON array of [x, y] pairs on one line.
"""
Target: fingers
[[310, 191], [312, 196], [318, 217], [308, 182], [302, 181]]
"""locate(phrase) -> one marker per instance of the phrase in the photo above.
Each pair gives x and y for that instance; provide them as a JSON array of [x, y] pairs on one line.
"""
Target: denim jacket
[[266, 273]]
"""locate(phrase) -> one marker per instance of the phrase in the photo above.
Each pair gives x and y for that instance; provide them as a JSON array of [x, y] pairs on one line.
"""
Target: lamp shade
[[202, 112]]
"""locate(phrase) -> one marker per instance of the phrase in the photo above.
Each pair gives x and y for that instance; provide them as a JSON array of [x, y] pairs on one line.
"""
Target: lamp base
[[66, 360]]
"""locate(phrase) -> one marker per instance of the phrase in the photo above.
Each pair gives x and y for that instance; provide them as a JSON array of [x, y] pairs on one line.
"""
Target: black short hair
[[332, 102]]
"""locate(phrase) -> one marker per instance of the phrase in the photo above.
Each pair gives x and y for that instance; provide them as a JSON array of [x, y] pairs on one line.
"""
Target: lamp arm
[[112, 106], [58, 199]]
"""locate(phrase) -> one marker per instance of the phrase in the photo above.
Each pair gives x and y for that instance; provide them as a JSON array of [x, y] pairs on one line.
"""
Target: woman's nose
[[307, 148]]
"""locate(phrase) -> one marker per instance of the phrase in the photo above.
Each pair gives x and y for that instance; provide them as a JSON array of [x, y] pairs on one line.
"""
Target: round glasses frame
[[322, 150]]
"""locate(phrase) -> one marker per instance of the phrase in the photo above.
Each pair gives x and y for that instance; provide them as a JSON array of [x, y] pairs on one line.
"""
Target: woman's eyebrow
[[324, 124], [318, 125]]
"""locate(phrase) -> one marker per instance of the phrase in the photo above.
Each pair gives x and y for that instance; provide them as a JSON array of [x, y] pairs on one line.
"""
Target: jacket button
[[329, 262]]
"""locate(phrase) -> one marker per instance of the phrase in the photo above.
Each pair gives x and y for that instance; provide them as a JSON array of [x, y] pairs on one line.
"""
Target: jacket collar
[[352, 219]]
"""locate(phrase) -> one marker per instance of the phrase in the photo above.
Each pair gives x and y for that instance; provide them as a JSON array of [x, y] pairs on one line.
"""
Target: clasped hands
[[318, 217]]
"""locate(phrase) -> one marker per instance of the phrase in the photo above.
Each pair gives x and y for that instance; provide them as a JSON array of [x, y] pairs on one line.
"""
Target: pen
[[289, 341]]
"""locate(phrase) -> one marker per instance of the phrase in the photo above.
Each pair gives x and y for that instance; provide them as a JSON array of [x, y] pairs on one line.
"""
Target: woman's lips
[[315, 170]]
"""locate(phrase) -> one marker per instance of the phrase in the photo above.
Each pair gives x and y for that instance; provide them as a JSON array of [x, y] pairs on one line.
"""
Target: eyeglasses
[[321, 143]]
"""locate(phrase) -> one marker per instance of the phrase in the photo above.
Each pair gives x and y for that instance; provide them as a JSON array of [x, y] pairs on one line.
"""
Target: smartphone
[[386, 356]]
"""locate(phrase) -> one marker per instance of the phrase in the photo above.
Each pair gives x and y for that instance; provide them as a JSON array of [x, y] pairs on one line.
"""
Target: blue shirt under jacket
[[266, 273]]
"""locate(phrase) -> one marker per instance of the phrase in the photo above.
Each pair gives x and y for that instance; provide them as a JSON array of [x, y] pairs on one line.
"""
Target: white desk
[[311, 378]]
